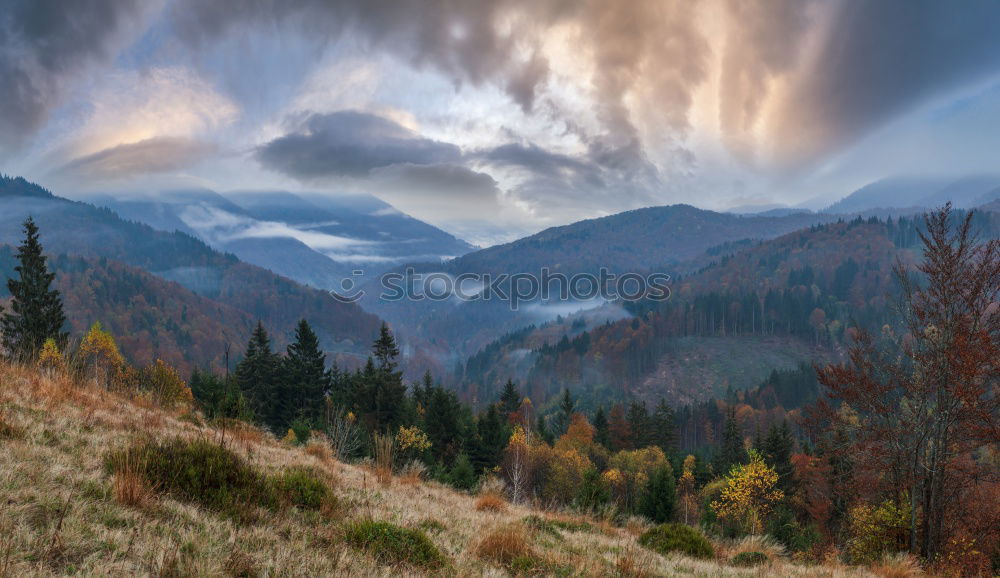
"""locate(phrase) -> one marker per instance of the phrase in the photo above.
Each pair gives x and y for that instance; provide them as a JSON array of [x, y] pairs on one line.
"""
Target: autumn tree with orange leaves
[[925, 397]]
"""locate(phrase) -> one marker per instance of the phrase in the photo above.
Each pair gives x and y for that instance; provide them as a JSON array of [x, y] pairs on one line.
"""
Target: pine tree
[[641, 427], [664, 433], [660, 497], [36, 310], [492, 433], [256, 376], [462, 474], [566, 407], [510, 398], [731, 452], [303, 381], [388, 392], [602, 434], [777, 451]]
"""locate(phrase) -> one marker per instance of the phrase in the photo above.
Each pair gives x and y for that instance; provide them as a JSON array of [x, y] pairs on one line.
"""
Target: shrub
[[164, 385], [749, 559], [303, 488], [677, 538], [392, 544], [302, 429], [216, 478], [876, 530], [199, 471]]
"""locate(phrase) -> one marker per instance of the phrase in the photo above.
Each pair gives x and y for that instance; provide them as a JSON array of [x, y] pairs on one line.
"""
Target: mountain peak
[[19, 187]]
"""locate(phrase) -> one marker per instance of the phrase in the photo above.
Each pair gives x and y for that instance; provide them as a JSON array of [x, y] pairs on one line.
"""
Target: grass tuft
[[750, 559], [490, 502]]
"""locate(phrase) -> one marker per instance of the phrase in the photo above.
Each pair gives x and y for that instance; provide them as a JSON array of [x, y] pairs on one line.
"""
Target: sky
[[496, 118]]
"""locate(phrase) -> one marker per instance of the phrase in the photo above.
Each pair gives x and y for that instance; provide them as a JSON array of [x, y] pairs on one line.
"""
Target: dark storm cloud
[[879, 60], [153, 155], [459, 38], [350, 144], [43, 45]]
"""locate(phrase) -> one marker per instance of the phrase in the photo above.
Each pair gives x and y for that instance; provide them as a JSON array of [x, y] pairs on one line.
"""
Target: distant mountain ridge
[[319, 240], [920, 192], [81, 230]]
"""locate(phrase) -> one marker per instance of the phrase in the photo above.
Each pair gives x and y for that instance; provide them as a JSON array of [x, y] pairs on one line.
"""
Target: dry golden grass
[[505, 545], [490, 502], [901, 565], [62, 512]]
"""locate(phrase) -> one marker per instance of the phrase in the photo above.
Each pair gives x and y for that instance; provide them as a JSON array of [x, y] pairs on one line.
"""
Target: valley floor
[[59, 514]]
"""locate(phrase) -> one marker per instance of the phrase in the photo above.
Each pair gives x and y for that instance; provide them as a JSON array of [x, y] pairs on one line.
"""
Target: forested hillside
[[771, 306], [82, 230]]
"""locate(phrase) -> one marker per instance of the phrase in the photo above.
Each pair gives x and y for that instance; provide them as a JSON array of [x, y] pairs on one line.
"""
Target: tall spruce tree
[[256, 376], [602, 434], [659, 497], [36, 309], [566, 407], [510, 399], [664, 428], [304, 380], [777, 450], [731, 451], [388, 392]]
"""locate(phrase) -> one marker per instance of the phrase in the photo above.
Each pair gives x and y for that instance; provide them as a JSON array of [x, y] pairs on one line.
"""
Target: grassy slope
[[58, 513]]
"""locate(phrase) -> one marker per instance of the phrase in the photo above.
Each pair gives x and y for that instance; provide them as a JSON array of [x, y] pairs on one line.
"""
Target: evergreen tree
[[641, 426], [442, 423], [731, 451], [593, 492], [492, 434], [256, 376], [36, 309], [664, 433], [660, 496], [777, 451], [304, 380], [541, 425], [388, 392], [462, 474], [566, 407], [218, 396], [602, 434], [510, 398]]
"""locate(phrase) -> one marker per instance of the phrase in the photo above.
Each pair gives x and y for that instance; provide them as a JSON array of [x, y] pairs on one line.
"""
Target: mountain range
[[120, 267], [315, 239]]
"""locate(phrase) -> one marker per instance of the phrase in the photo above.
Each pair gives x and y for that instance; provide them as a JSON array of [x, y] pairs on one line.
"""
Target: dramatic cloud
[[876, 61], [153, 155], [349, 144], [44, 45], [526, 112]]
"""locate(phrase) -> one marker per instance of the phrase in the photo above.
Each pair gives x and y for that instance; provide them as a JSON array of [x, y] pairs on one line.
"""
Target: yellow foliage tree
[[100, 359], [411, 441], [876, 530], [629, 471], [165, 385], [50, 359], [686, 492], [749, 494]]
